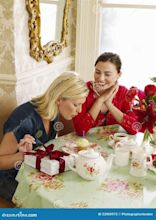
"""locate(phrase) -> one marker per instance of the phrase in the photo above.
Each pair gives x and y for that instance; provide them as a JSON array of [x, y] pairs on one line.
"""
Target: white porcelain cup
[[121, 156], [119, 137]]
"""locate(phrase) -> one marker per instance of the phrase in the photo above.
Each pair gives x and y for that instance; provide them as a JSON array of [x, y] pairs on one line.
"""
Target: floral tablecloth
[[68, 190]]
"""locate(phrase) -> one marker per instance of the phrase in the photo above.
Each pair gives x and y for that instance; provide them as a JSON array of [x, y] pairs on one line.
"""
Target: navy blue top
[[23, 120]]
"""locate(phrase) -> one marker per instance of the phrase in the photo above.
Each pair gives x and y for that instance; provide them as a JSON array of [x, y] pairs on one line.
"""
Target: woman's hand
[[99, 104], [109, 100], [111, 93], [107, 94], [26, 144]]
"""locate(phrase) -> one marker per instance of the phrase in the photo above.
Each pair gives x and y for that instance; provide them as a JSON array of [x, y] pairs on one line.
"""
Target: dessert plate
[[71, 148], [68, 150]]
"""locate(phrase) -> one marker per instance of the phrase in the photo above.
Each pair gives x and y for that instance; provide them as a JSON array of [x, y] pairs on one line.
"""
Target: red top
[[84, 121]]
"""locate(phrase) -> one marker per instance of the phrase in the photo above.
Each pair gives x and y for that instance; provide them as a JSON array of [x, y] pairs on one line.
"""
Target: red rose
[[153, 156], [150, 90]]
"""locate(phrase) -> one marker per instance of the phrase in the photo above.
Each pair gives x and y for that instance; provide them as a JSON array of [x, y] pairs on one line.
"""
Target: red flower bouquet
[[145, 109]]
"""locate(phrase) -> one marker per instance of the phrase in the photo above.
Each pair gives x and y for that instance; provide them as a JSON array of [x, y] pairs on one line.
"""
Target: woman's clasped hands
[[107, 94], [109, 91]]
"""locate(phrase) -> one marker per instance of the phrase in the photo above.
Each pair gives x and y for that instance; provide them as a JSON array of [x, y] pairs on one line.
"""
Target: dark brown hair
[[111, 57]]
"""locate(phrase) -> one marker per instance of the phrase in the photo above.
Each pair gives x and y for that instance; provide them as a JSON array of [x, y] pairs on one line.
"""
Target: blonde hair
[[68, 85]]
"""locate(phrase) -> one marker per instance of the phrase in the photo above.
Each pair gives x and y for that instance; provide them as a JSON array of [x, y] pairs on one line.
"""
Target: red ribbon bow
[[54, 155]]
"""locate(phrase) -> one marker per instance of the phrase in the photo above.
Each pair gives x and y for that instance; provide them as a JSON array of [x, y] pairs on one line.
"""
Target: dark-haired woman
[[107, 101]]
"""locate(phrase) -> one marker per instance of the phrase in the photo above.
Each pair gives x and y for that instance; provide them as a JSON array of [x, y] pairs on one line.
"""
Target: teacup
[[119, 137]]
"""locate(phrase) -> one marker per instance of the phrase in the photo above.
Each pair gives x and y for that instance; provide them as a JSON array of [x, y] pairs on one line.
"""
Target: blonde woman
[[35, 122]]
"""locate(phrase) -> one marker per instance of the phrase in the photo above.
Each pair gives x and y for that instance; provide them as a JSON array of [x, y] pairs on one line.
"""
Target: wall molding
[[37, 72], [8, 79], [126, 5], [45, 70]]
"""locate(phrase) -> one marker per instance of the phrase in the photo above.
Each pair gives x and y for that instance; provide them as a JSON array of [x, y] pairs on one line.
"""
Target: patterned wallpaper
[[7, 65], [7, 102], [22, 77]]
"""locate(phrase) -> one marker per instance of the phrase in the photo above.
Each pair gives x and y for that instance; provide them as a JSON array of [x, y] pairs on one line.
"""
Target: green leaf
[[154, 98], [153, 79], [146, 135]]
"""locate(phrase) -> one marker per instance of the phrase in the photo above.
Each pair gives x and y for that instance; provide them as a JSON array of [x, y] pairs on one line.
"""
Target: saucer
[[129, 143]]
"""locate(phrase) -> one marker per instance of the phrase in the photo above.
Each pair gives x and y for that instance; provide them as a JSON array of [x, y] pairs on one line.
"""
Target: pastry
[[82, 143]]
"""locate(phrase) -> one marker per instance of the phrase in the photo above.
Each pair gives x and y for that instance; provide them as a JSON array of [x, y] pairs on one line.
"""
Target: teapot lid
[[89, 153]]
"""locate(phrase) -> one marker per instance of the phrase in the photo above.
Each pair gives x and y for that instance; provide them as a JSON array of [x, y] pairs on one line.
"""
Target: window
[[129, 30]]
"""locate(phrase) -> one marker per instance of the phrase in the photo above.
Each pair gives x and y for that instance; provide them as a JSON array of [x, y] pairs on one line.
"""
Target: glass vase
[[154, 137], [146, 142]]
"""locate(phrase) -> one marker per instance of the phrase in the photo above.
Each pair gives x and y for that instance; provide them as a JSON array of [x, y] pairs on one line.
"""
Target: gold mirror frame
[[52, 48]]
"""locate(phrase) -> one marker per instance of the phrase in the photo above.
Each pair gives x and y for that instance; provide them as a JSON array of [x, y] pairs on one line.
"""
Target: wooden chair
[[67, 126], [6, 204]]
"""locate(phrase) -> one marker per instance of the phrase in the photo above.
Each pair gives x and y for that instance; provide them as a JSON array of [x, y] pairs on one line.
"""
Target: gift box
[[49, 161]]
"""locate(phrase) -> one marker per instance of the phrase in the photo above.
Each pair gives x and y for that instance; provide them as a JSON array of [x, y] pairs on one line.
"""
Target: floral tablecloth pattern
[[68, 190]]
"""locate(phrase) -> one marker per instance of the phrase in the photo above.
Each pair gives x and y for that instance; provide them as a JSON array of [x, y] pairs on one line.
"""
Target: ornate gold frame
[[52, 48]]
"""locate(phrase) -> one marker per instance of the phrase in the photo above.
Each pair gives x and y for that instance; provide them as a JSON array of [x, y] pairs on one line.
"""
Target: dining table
[[119, 189]]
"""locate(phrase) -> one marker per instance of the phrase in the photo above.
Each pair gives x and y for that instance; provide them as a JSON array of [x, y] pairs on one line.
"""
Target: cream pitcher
[[90, 165], [140, 163]]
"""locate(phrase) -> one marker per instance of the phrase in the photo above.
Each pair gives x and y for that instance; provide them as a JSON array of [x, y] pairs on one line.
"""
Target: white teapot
[[90, 165]]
